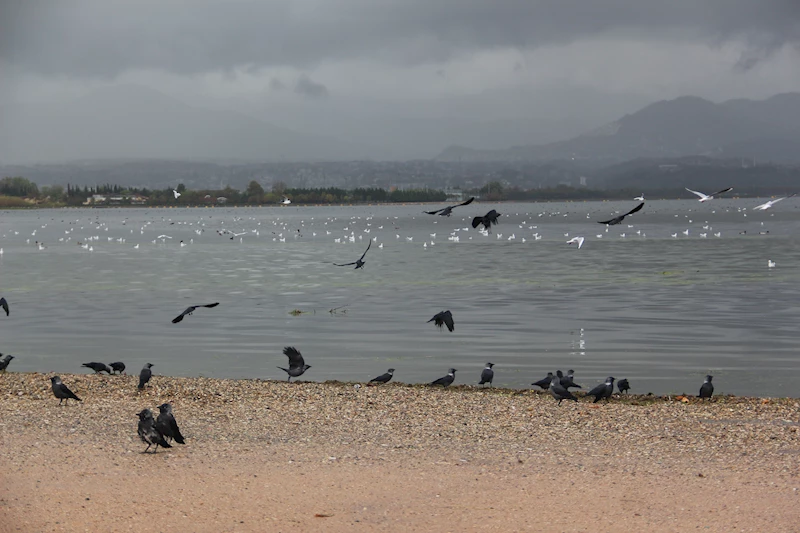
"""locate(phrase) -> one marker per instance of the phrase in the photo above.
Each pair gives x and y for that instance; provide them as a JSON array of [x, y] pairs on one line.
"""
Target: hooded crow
[[604, 390], [707, 389], [296, 363], [447, 211], [117, 367], [544, 383], [487, 375], [488, 220], [445, 381], [623, 386], [383, 378], [559, 392], [145, 375], [148, 432], [567, 381], [166, 424], [359, 263], [617, 220], [443, 318], [98, 367], [61, 391], [190, 310], [4, 362]]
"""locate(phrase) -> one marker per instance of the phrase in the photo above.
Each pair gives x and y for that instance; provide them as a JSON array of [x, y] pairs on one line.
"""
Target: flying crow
[[4, 362], [98, 367], [145, 375], [604, 390], [358, 263], [707, 197], [447, 211], [296, 363], [61, 391], [623, 386], [617, 220], [559, 392], [487, 375], [148, 432], [487, 220], [4, 305], [190, 310], [118, 367], [443, 318], [384, 378], [166, 424], [707, 389], [544, 383], [446, 380]]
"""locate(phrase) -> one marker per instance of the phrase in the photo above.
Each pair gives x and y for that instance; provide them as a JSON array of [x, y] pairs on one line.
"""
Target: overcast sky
[[488, 54]]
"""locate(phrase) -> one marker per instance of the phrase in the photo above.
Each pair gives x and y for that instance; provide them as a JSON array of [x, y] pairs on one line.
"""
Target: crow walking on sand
[[166, 424], [487, 375], [148, 432], [383, 378], [118, 367], [61, 391], [446, 380], [560, 392], [145, 375], [544, 383]]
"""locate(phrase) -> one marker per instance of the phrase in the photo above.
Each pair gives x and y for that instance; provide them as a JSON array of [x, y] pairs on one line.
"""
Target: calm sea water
[[659, 310]]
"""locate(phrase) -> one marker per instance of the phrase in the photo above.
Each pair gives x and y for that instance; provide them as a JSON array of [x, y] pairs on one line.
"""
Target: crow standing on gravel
[[148, 432], [118, 367], [98, 367], [4, 362], [568, 380], [487, 220], [559, 392], [297, 366], [707, 389], [166, 424], [623, 386], [145, 375], [383, 378], [61, 391], [444, 318], [487, 375], [446, 380], [602, 391], [544, 383]]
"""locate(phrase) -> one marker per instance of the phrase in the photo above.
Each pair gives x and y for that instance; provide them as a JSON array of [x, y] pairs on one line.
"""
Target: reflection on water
[[659, 310]]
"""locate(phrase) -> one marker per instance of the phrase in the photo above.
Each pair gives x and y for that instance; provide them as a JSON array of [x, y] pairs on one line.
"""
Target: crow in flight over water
[[190, 310], [617, 220], [296, 363], [487, 220], [447, 211], [360, 262], [443, 318]]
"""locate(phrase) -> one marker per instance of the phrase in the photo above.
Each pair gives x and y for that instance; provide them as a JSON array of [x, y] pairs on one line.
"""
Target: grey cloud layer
[[107, 37]]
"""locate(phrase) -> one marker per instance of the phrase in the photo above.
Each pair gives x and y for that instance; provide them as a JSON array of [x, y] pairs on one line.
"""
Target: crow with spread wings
[[447, 211]]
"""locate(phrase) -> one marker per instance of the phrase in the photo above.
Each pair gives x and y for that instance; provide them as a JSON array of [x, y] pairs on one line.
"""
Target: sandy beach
[[276, 456]]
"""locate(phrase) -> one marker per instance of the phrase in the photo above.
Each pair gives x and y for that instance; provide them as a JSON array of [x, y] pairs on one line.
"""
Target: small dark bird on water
[[383, 378], [4, 305], [620, 218], [568, 380], [487, 375], [446, 380], [148, 432], [602, 391], [118, 367], [61, 391], [296, 363], [707, 389], [359, 263], [447, 211], [190, 310], [443, 318], [98, 367], [488, 220], [4, 362], [623, 386], [559, 392], [544, 383], [145, 375], [166, 424]]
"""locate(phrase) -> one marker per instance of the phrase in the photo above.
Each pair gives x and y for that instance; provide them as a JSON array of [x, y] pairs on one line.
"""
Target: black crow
[[296, 363], [145, 375], [358, 263], [707, 197], [604, 390], [617, 220], [384, 378], [567, 381], [148, 432], [443, 318], [4, 305], [559, 392], [61, 391], [118, 367], [190, 310], [446, 380], [487, 375], [166, 424], [544, 383], [707, 389], [487, 220], [4, 362], [447, 211], [623, 386], [98, 367]]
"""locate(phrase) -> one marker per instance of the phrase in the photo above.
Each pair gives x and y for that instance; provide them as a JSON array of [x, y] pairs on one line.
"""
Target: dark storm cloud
[[107, 37], [309, 88]]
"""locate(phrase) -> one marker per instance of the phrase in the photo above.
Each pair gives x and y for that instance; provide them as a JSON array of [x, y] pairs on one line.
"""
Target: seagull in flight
[[767, 205], [176, 193], [358, 263], [707, 197], [286, 201], [576, 240], [443, 318], [620, 218], [190, 310], [447, 211], [640, 198]]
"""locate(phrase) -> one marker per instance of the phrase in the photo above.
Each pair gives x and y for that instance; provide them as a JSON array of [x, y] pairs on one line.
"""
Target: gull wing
[[722, 191], [701, 195]]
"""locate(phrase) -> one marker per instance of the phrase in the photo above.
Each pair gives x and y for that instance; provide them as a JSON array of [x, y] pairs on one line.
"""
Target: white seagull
[[640, 197], [770, 263], [707, 197], [576, 240], [767, 205], [176, 193], [286, 201]]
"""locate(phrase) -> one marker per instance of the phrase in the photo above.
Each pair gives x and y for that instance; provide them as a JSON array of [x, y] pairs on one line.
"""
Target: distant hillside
[[131, 121], [764, 130]]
